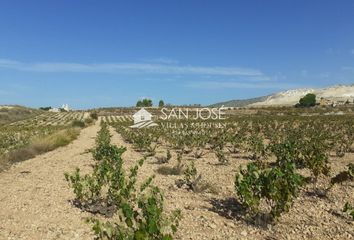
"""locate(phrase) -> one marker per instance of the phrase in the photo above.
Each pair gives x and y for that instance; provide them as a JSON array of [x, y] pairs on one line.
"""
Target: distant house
[[56, 110], [142, 115], [66, 107]]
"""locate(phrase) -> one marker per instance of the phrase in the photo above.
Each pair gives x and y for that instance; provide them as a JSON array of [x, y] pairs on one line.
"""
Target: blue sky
[[111, 53]]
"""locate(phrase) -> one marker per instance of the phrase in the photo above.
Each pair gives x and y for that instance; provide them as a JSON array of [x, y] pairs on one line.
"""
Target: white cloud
[[128, 68], [161, 60], [6, 63]]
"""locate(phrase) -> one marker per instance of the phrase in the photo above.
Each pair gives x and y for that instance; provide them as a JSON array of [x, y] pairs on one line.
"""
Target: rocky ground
[[35, 200]]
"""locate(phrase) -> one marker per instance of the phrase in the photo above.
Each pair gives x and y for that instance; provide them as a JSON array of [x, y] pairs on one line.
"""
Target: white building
[[66, 107], [56, 110]]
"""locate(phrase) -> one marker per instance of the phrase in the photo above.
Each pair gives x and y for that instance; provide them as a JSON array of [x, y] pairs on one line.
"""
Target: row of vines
[[19, 134], [135, 211], [285, 155]]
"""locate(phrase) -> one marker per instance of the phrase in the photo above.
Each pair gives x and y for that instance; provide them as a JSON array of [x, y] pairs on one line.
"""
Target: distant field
[[21, 127]]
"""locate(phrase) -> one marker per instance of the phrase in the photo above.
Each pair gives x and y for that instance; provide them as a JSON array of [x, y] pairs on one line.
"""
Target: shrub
[[141, 218], [175, 170], [310, 152], [161, 103], [348, 208], [41, 145], [165, 159], [59, 139], [144, 103], [140, 210], [309, 100], [45, 108], [278, 185], [193, 181], [221, 157], [94, 115], [103, 141], [236, 142], [257, 147], [248, 186], [88, 121], [78, 123], [191, 177]]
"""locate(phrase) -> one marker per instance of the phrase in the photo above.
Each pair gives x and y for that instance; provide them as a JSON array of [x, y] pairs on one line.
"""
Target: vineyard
[[53, 119], [177, 120], [113, 119], [20, 134], [252, 172], [255, 176]]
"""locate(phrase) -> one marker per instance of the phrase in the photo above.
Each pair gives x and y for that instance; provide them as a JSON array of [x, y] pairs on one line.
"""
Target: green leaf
[[140, 235]]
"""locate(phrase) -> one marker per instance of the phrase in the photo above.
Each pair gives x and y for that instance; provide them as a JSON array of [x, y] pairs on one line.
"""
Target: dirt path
[[34, 194]]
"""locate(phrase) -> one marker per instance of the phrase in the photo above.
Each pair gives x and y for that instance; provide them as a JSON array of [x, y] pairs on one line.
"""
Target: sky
[[112, 53]]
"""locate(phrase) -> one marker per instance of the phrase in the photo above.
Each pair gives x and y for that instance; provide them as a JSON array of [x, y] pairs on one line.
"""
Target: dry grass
[[39, 146], [16, 113]]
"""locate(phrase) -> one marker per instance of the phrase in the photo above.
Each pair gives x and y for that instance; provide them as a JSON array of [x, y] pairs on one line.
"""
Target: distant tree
[[45, 108], [144, 103], [94, 115], [308, 101], [139, 103], [147, 102], [161, 103]]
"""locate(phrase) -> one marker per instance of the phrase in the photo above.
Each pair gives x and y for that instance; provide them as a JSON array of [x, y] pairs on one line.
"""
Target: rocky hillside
[[291, 97], [240, 103]]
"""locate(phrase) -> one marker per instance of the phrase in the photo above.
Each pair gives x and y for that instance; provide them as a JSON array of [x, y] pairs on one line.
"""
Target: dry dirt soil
[[35, 200]]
